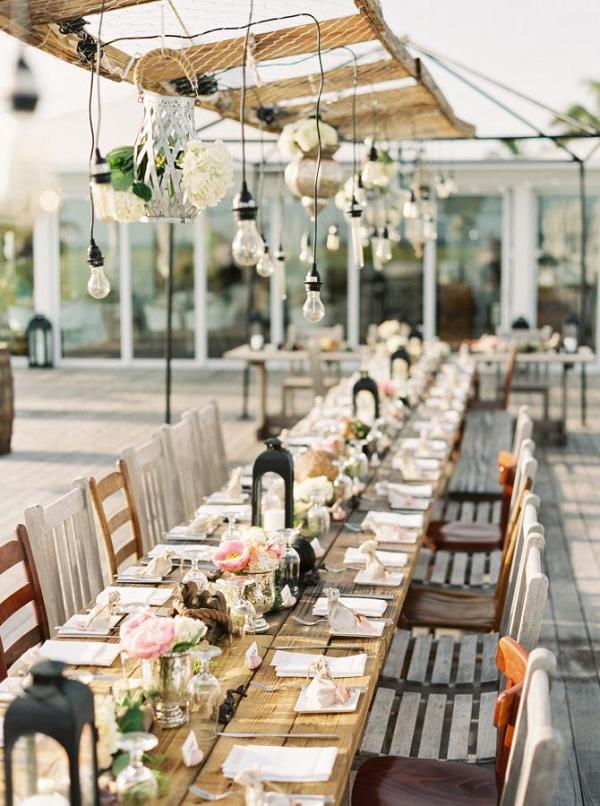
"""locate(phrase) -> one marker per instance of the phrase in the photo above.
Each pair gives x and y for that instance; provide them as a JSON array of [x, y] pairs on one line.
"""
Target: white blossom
[[206, 173], [301, 137], [188, 630], [128, 207], [108, 731], [313, 484]]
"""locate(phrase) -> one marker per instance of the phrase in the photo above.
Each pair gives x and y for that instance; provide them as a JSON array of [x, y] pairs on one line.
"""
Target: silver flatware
[[228, 735], [340, 569], [276, 687], [352, 527], [306, 622], [319, 646], [205, 795]]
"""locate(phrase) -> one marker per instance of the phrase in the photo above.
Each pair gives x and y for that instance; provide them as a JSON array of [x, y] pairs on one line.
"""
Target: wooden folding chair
[[186, 465], [115, 507], [154, 489], [65, 545], [209, 446], [526, 736], [22, 605]]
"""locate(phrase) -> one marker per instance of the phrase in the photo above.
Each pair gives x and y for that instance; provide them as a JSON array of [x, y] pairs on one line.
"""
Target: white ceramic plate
[[302, 707]]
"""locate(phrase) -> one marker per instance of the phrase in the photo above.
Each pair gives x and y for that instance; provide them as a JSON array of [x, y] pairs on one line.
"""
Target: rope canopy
[[396, 97]]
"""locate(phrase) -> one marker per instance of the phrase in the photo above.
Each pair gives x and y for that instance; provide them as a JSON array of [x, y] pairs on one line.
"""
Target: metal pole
[[583, 336], [169, 333]]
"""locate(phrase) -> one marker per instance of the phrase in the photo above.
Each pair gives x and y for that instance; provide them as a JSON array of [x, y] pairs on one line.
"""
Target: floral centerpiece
[[314, 489], [162, 645], [302, 138]]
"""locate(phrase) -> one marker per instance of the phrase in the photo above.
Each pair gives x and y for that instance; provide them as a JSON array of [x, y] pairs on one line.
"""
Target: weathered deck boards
[[74, 422]]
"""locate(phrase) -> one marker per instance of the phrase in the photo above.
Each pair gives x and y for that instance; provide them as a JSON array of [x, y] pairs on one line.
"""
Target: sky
[[546, 48]]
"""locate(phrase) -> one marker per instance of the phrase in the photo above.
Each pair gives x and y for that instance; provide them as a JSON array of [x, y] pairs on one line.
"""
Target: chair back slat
[[180, 441], [154, 490], [508, 377], [524, 478], [115, 507], [23, 602], [65, 544], [210, 446], [537, 749], [528, 602], [523, 429]]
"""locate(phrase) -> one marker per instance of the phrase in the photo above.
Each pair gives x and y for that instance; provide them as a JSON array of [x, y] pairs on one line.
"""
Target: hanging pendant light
[[411, 206], [354, 214], [383, 248], [280, 262], [333, 238], [313, 309], [247, 247], [101, 188], [305, 254], [265, 266], [98, 285], [374, 174]]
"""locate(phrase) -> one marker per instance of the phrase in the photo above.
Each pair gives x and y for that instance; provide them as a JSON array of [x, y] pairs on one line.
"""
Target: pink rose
[[275, 547], [232, 556], [147, 636]]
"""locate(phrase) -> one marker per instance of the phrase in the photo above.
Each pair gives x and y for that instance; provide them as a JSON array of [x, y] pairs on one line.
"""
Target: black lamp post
[[365, 384], [276, 459], [40, 342], [53, 718]]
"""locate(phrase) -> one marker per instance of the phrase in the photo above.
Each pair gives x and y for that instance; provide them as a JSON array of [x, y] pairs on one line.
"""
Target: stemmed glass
[[318, 518], [342, 484], [204, 688], [288, 572], [231, 533], [194, 555], [241, 612], [136, 782]]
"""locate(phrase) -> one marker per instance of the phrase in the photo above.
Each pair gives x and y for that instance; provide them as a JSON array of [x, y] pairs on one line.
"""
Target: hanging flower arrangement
[[302, 138]]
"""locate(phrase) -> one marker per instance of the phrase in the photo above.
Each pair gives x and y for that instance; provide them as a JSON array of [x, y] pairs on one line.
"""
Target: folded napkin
[[241, 511], [391, 580], [366, 628], [179, 552], [234, 485], [100, 616], [412, 520], [185, 533], [81, 653], [414, 490], [80, 624], [301, 664], [366, 607], [159, 566], [322, 691], [284, 764], [138, 596], [395, 534], [407, 502], [390, 559]]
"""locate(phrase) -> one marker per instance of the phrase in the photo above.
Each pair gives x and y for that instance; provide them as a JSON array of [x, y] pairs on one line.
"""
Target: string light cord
[[243, 93]]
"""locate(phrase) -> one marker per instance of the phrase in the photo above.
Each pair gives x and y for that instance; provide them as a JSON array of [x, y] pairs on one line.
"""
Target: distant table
[[567, 361], [476, 473], [259, 359]]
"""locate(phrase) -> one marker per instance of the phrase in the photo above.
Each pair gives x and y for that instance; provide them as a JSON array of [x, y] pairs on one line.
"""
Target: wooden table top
[[271, 353], [274, 712], [584, 355]]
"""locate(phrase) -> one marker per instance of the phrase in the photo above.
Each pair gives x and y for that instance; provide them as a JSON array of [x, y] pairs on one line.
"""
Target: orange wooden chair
[[21, 593]]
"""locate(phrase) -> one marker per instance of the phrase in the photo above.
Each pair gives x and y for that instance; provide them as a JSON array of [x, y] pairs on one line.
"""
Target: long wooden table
[[262, 711], [259, 360]]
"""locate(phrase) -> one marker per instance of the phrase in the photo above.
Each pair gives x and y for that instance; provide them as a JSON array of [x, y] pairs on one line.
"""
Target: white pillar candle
[[273, 520]]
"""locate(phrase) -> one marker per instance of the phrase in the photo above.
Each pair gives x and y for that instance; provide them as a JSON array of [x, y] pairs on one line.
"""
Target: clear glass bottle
[[288, 572], [342, 485], [241, 612], [204, 688], [318, 518]]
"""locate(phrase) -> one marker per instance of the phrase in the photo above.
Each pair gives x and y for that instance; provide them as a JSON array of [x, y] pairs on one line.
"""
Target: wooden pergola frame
[[403, 96]]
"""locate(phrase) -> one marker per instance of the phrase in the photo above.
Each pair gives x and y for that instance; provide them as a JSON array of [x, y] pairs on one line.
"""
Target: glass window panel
[[394, 293], [149, 269], [559, 260], [89, 327], [469, 263], [16, 285]]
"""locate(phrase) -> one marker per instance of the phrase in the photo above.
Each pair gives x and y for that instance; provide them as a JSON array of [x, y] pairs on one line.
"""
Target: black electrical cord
[[243, 93], [318, 122]]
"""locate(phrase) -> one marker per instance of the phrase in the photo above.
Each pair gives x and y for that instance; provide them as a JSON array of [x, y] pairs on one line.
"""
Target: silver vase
[[165, 681]]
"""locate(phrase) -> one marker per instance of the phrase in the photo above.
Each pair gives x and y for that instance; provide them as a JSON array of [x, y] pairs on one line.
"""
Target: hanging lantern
[[366, 384], [300, 177], [166, 129], [276, 459], [40, 342], [50, 742]]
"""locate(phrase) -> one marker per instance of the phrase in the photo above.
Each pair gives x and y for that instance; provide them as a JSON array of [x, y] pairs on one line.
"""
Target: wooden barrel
[[7, 401]]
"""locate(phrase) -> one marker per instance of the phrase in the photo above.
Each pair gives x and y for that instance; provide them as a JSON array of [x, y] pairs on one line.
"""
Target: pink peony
[[232, 556], [147, 636], [275, 547]]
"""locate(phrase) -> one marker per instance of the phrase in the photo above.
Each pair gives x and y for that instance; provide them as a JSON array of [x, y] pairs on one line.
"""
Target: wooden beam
[[41, 11]]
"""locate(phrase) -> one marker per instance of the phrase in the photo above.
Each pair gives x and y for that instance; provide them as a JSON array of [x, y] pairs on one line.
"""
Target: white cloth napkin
[[78, 625], [414, 490], [404, 520], [407, 502], [366, 607], [391, 580], [298, 664], [365, 628], [242, 511], [391, 559], [293, 764], [138, 595], [81, 653], [204, 552]]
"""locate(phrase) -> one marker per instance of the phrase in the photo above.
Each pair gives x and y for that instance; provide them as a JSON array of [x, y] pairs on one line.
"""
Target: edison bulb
[[411, 207], [313, 309], [383, 249], [360, 192], [333, 238], [305, 255], [265, 266], [247, 247], [98, 285]]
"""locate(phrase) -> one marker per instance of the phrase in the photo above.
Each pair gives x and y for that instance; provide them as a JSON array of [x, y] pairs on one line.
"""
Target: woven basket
[[167, 126]]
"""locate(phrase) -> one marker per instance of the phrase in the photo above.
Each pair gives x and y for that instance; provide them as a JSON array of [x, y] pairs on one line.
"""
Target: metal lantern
[[276, 459], [50, 741], [40, 342], [365, 384], [167, 126], [300, 178], [401, 354]]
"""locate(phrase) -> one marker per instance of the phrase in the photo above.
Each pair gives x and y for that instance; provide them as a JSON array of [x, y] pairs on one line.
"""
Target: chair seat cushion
[[444, 607], [464, 535], [393, 781]]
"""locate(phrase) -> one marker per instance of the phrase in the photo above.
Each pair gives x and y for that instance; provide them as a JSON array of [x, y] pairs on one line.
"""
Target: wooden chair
[[314, 381], [209, 448], [65, 545], [22, 606], [476, 607], [527, 777], [154, 489], [186, 465], [115, 507], [459, 670]]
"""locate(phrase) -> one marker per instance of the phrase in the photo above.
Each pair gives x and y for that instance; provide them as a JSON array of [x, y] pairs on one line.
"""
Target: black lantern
[[50, 740], [401, 354], [365, 384], [276, 459], [40, 342]]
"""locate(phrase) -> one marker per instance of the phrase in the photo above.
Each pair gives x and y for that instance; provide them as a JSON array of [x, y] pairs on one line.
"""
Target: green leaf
[[142, 191], [121, 180], [120, 761], [121, 157], [132, 720], [183, 646]]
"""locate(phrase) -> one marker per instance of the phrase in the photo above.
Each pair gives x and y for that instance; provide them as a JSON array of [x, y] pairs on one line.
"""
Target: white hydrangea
[[314, 484], [128, 206], [188, 630], [108, 730], [206, 173], [388, 328], [301, 137]]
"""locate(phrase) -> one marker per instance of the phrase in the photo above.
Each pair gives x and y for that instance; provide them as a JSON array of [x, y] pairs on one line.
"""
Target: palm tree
[[582, 113]]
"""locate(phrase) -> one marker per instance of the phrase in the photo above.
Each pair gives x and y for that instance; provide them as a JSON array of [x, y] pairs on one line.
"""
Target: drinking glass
[[136, 782], [231, 533], [318, 518], [194, 555], [241, 612], [204, 688], [288, 572]]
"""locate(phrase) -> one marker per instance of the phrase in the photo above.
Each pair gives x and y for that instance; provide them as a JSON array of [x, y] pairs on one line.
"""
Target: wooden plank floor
[[71, 423]]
